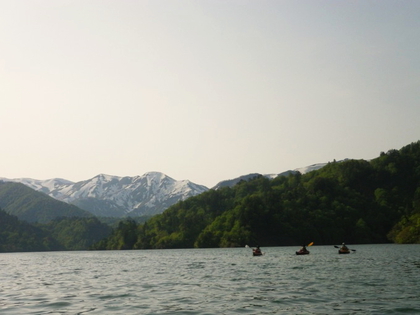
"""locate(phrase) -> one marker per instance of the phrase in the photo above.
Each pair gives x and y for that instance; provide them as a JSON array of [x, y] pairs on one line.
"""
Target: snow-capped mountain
[[106, 195], [149, 194]]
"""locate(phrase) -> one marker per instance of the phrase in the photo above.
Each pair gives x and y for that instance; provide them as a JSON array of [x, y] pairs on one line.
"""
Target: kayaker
[[257, 250], [303, 249], [344, 247]]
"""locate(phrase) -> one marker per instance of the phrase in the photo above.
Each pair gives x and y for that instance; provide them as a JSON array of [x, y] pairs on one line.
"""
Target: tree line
[[66, 233], [355, 201]]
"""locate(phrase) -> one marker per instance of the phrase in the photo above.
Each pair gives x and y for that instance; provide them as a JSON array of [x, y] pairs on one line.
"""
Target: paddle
[[310, 244], [353, 250]]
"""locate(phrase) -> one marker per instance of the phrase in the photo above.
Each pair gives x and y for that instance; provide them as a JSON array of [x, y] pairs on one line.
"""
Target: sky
[[203, 90]]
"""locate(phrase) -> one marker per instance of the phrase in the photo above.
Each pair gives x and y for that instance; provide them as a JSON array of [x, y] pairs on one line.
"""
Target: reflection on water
[[376, 279]]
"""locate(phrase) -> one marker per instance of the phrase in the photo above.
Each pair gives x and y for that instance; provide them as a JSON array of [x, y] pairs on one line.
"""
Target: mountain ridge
[[115, 196], [109, 195]]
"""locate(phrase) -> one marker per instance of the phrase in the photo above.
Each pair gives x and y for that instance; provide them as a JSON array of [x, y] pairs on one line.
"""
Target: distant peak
[[105, 177], [154, 173], [157, 175]]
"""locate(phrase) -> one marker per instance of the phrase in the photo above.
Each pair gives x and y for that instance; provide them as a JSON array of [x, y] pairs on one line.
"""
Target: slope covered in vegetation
[[355, 201], [76, 233], [17, 236], [33, 206], [59, 234]]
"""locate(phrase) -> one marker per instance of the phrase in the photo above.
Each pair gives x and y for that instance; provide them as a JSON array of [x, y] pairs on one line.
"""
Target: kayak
[[255, 253], [302, 252], [343, 251]]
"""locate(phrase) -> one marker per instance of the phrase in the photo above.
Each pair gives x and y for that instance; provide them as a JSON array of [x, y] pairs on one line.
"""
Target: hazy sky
[[203, 90]]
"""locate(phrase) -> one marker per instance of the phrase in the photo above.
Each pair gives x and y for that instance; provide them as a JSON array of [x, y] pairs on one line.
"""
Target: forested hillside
[[354, 201], [17, 236], [76, 233], [32, 206], [59, 234]]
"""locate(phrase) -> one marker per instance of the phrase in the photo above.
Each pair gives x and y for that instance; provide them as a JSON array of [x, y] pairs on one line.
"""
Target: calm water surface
[[376, 279]]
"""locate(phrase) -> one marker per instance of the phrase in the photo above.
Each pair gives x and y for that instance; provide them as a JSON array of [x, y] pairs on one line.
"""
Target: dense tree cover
[[76, 233], [33, 206], [407, 231], [114, 221], [33, 221], [355, 201], [18, 236], [123, 237], [59, 234]]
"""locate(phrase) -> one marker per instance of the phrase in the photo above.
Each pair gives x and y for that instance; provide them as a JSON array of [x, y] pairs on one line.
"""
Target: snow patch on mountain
[[107, 195], [149, 194], [310, 168]]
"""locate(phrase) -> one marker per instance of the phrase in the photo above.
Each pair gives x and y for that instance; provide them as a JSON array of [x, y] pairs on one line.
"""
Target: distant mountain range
[[113, 196]]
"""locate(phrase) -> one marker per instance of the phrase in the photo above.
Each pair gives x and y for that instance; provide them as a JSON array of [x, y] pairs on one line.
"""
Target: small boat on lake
[[344, 251], [257, 251], [302, 252]]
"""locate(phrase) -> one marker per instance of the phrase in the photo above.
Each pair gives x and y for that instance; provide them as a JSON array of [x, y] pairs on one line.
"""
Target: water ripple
[[380, 279]]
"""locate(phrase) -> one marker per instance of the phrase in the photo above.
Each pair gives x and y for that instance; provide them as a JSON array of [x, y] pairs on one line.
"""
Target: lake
[[376, 279]]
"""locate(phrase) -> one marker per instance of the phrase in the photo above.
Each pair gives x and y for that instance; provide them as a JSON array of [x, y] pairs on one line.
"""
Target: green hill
[[354, 201], [33, 221], [76, 233], [17, 236], [32, 206], [59, 234]]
